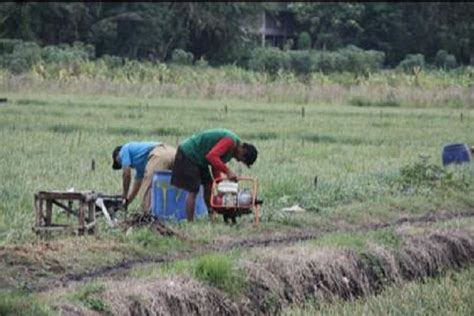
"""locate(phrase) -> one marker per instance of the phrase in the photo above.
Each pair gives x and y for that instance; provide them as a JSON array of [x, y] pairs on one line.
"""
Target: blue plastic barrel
[[456, 153], [168, 203]]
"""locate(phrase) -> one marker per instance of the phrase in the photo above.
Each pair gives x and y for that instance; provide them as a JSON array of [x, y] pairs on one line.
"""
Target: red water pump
[[235, 198]]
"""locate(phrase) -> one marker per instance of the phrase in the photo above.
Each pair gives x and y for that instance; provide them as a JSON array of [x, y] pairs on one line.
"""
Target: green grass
[[89, 296], [48, 142], [214, 269], [19, 303], [218, 270], [366, 160], [153, 241], [448, 295], [360, 240]]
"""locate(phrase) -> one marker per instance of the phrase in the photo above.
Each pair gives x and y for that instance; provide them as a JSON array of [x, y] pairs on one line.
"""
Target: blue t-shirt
[[135, 155]]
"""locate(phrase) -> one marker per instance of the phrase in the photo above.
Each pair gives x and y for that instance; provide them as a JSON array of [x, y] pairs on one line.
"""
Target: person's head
[[246, 153], [472, 150], [116, 163]]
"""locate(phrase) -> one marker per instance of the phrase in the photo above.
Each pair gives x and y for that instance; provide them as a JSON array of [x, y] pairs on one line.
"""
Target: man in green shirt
[[213, 147]]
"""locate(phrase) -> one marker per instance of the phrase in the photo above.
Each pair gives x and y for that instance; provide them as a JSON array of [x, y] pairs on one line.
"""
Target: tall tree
[[329, 24], [217, 30]]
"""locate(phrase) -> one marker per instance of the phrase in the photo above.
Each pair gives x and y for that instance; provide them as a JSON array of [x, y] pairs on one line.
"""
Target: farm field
[[370, 179]]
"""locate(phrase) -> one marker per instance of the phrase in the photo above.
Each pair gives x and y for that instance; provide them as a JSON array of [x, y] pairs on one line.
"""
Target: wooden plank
[[61, 195], [91, 217], [49, 213], [70, 203], [37, 211], [66, 208], [82, 219], [40, 212]]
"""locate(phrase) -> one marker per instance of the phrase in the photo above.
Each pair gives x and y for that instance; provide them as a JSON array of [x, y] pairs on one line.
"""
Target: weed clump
[[217, 270], [19, 303], [153, 241], [426, 177], [90, 297]]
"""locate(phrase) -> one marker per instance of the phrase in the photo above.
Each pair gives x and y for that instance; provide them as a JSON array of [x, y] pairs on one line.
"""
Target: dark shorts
[[187, 175]]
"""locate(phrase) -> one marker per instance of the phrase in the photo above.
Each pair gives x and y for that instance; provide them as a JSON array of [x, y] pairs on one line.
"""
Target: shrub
[[450, 62], [269, 60], [202, 62], [19, 56], [23, 56], [361, 61], [67, 54], [445, 60], [179, 56], [301, 62], [304, 40], [7, 45], [112, 61], [351, 59], [327, 62], [411, 61]]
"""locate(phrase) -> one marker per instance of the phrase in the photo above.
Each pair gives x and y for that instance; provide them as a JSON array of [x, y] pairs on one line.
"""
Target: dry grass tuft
[[429, 255], [169, 296]]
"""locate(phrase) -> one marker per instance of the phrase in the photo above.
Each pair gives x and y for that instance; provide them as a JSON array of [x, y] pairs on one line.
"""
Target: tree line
[[225, 32]]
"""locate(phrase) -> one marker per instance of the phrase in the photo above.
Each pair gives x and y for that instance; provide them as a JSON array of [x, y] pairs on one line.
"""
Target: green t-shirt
[[197, 146]]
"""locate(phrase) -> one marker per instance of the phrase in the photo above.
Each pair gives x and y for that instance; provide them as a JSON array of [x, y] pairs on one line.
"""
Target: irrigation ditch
[[121, 269], [279, 278]]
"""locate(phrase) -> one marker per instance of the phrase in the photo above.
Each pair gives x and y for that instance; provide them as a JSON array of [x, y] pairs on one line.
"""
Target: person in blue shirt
[[145, 158]]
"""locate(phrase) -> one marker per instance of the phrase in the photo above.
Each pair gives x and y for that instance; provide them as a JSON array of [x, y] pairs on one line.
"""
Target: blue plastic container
[[456, 153], [168, 203]]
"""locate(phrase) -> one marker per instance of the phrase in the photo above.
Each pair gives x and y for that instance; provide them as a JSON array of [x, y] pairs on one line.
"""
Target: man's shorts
[[188, 176]]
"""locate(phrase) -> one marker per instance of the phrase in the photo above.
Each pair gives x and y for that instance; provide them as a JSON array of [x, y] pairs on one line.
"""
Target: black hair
[[250, 155], [116, 165]]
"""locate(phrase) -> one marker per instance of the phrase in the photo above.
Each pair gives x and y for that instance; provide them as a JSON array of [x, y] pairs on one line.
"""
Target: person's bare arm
[[126, 179], [135, 189]]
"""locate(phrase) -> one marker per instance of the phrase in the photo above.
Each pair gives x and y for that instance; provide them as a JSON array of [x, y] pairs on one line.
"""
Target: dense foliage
[[228, 32]]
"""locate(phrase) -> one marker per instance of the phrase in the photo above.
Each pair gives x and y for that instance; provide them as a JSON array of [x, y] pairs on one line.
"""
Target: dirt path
[[124, 267]]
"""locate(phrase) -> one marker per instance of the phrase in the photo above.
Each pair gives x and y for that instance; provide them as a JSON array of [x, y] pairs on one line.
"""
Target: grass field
[[48, 144], [358, 154]]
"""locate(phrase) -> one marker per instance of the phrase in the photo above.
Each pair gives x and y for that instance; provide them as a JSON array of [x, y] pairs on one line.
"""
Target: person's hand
[[124, 202], [231, 175]]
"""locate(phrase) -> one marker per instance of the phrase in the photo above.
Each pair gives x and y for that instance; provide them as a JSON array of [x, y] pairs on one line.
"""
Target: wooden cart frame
[[85, 213]]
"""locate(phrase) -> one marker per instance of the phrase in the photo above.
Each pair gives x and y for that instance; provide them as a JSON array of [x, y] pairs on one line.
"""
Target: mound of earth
[[280, 277]]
